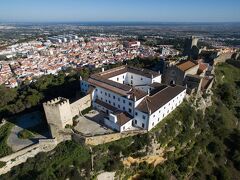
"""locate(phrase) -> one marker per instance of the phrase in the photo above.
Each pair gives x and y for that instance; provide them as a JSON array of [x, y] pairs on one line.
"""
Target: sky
[[119, 10]]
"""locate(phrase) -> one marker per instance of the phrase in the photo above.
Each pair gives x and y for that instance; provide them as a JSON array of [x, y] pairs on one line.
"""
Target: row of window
[[109, 95], [118, 106]]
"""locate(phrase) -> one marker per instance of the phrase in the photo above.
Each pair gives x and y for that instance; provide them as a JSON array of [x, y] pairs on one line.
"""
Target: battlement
[[57, 102]]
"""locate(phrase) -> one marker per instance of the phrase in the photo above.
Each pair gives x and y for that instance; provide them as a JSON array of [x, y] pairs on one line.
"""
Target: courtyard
[[91, 124]]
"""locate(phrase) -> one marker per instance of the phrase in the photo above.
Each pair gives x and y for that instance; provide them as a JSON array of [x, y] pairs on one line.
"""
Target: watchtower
[[58, 114]]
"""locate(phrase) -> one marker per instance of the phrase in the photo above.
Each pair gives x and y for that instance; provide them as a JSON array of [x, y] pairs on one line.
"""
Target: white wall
[[120, 78], [114, 100], [162, 112], [157, 79], [84, 86], [126, 126], [139, 119], [111, 124], [135, 79]]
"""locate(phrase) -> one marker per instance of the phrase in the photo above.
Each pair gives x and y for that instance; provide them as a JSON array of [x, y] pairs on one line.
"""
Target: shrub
[[25, 134]]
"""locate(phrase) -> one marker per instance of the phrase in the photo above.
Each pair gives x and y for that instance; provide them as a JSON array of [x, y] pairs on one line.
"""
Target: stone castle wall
[[21, 156], [222, 58], [102, 139], [80, 105]]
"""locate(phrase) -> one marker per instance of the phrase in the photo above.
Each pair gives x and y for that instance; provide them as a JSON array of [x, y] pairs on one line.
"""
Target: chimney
[[135, 98], [102, 69], [148, 91]]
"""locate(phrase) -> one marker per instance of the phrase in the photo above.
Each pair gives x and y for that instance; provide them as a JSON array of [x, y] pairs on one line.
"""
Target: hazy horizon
[[150, 11]]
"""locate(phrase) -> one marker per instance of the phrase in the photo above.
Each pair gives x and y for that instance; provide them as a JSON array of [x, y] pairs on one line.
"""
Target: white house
[[132, 97]]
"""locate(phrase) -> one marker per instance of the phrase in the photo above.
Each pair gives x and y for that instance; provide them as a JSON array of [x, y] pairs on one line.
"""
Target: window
[[123, 77], [130, 110], [119, 106], [101, 98], [163, 115], [144, 117], [130, 104], [109, 95], [158, 119], [96, 89], [117, 79], [159, 111], [101, 92], [141, 78], [118, 99], [124, 108], [131, 82], [106, 101], [113, 104], [142, 125], [123, 101], [105, 94], [153, 115], [113, 97], [168, 111], [153, 124], [135, 121], [131, 76], [164, 107], [123, 127], [109, 102], [136, 113]]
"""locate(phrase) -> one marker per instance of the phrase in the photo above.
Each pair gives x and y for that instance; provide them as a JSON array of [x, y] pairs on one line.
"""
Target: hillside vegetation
[[194, 146]]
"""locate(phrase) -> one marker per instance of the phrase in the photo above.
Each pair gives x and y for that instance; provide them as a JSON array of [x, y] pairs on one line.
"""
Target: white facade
[[111, 122], [135, 79], [109, 101], [84, 86], [115, 100], [162, 112]]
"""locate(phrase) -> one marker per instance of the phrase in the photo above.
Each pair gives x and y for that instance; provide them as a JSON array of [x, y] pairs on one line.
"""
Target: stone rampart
[[80, 105], [21, 156], [102, 139]]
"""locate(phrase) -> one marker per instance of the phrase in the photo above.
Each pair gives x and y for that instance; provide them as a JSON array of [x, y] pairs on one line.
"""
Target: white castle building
[[132, 97]]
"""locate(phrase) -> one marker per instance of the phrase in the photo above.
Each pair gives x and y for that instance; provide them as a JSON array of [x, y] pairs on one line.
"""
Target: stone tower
[[58, 114]]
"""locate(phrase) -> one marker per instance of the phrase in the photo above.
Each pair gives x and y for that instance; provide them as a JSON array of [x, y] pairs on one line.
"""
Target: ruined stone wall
[[222, 58], [80, 105], [21, 156], [102, 139]]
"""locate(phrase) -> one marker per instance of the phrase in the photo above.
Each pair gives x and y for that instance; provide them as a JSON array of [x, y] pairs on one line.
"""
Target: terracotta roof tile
[[186, 65]]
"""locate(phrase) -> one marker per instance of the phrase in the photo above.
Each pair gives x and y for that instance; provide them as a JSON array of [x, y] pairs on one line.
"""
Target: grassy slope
[[4, 133]]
